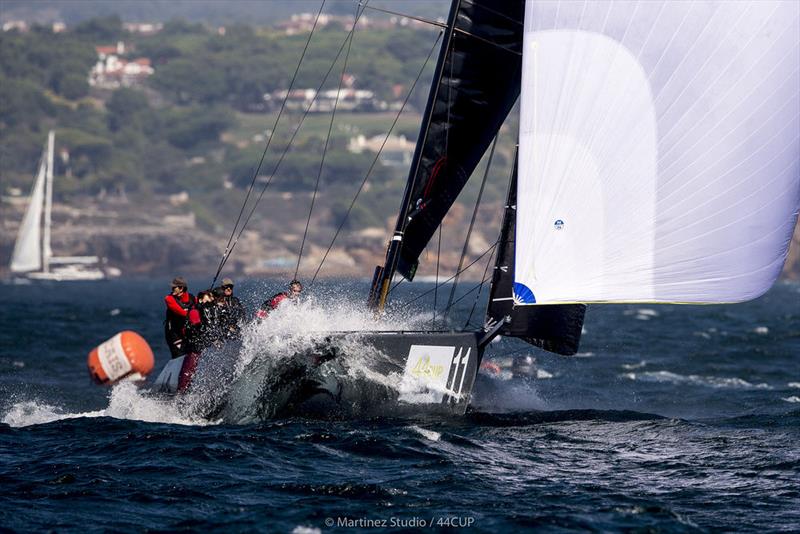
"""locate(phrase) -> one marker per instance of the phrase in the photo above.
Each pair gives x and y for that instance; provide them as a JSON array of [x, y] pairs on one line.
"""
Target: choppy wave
[[708, 381], [126, 401], [632, 366], [642, 314]]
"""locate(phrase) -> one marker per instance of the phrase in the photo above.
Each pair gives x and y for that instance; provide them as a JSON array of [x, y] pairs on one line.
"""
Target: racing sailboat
[[659, 162], [33, 257]]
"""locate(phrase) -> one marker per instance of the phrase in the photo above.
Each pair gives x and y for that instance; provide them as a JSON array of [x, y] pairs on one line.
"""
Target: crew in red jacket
[[295, 288], [179, 302]]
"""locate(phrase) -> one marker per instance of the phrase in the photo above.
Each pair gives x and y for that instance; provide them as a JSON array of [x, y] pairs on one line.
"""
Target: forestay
[[658, 150]]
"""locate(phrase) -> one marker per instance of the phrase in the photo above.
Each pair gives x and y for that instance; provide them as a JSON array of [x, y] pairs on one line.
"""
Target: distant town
[[175, 116]]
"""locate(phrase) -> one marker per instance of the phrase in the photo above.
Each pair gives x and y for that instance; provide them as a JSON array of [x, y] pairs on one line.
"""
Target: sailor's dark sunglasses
[[227, 287]]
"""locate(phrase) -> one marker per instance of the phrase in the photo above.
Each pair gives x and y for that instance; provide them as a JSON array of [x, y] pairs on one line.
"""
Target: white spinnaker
[[27, 255], [659, 150]]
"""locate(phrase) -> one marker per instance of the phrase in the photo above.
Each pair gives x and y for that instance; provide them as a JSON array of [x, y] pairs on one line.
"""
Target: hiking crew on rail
[[192, 324], [178, 302]]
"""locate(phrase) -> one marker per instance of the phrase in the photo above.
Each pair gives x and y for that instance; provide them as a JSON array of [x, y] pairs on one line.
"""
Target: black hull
[[343, 375]]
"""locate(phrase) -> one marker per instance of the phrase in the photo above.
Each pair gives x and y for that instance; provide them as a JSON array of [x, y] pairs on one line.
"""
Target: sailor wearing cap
[[235, 310], [179, 302]]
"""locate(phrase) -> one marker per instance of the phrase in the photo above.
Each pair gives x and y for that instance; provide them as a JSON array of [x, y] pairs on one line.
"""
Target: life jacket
[[275, 301], [269, 305], [175, 321]]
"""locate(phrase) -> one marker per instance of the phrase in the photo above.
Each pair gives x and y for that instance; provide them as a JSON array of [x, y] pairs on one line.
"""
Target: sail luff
[[47, 251], [384, 276], [479, 85], [27, 255]]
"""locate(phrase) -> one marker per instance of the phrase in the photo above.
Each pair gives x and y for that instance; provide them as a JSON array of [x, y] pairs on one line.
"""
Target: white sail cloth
[[27, 255], [659, 148]]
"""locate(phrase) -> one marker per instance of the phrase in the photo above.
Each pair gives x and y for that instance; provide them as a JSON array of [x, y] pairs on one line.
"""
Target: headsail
[[476, 84], [556, 328], [659, 150], [27, 255]]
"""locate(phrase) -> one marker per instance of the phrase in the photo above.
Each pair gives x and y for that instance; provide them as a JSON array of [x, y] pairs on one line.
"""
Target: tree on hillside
[[125, 109], [102, 29]]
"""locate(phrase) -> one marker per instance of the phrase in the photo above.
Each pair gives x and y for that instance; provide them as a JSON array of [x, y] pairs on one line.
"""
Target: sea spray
[[301, 348], [126, 401]]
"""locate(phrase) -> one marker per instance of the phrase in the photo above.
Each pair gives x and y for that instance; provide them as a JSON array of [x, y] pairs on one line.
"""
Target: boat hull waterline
[[340, 375]]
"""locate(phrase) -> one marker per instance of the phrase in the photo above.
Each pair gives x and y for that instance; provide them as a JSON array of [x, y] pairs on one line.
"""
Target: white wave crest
[[127, 401], [427, 434], [708, 381], [792, 399], [632, 366]]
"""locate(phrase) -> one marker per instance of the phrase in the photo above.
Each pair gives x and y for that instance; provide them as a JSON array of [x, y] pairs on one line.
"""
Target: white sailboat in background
[[33, 257]]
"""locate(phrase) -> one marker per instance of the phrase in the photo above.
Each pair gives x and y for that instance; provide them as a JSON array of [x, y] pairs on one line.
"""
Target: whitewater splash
[[299, 351], [289, 330], [126, 401]]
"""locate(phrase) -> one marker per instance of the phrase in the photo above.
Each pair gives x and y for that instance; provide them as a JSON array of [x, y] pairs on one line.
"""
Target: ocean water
[[671, 418]]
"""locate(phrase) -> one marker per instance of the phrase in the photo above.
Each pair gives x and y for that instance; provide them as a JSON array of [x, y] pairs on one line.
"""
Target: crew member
[[179, 302], [202, 327], [295, 288], [235, 308], [226, 322]]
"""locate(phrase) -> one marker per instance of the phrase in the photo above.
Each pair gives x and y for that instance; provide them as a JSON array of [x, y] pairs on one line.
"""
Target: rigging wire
[[324, 151], [480, 290], [377, 156], [469, 291], [471, 226], [289, 144], [476, 260], [436, 286], [499, 237], [264, 153], [412, 17], [494, 12], [397, 284]]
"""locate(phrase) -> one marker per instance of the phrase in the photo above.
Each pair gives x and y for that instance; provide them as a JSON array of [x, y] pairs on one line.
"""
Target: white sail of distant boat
[[27, 254], [33, 257]]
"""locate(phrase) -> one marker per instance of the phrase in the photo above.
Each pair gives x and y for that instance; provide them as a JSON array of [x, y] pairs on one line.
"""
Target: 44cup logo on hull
[[435, 374]]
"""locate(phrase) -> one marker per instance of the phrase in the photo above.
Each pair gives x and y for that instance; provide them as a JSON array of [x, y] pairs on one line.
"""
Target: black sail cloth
[[476, 84]]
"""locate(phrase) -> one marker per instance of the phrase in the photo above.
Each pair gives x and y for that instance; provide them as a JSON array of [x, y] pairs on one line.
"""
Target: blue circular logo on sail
[[523, 294], [559, 224]]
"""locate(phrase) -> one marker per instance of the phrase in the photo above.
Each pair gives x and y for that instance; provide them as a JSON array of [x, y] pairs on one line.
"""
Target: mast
[[47, 252], [383, 275], [467, 104]]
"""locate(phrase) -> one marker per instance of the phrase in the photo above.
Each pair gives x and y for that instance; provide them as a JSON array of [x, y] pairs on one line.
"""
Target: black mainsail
[[476, 83]]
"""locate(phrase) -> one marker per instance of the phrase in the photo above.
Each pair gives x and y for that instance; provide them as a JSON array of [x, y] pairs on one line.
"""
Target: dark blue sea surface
[[671, 418]]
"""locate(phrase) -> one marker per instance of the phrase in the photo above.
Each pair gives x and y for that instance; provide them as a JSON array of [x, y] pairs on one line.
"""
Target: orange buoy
[[125, 355]]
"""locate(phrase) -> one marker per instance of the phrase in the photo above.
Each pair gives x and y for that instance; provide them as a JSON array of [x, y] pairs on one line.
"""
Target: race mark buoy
[[126, 355]]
